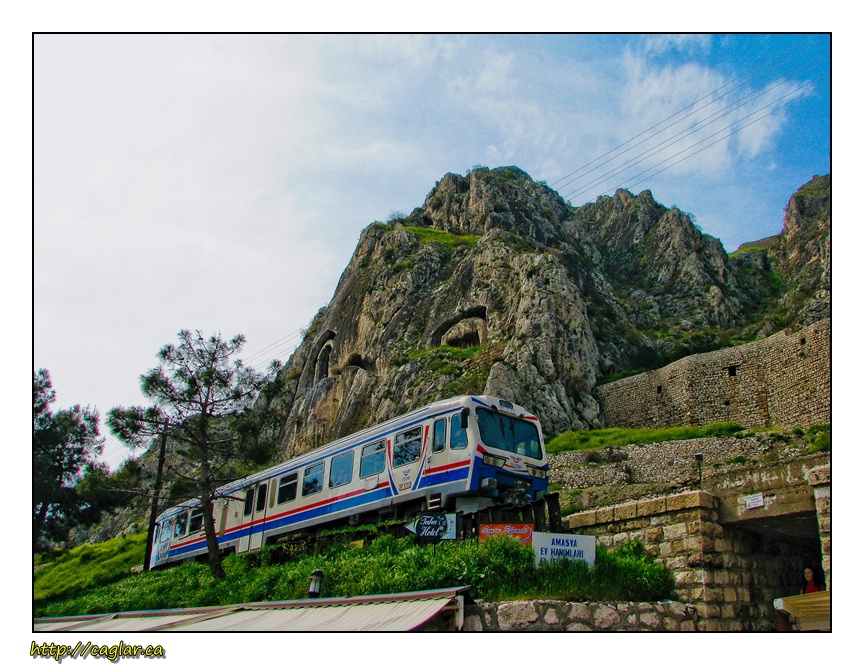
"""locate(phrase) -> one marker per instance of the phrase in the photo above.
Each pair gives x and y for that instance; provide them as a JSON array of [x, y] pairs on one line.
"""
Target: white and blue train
[[462, 454]]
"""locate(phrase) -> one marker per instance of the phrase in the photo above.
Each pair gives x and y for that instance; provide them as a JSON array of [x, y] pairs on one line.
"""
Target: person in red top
[[810, 584]]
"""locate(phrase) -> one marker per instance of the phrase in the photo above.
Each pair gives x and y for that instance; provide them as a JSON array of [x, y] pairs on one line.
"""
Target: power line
[[650, 131], [279, 342], [734, 131], [684, 134]]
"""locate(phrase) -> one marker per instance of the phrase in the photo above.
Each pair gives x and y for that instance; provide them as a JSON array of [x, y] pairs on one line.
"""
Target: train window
[[180, 525], [507, 433], [342, 469], [250, 498], [372, 459], [196, 520], [407, 447], [261, 500], [458, 434], [165, 535], [439, 436], [287, 488], [313, 479]]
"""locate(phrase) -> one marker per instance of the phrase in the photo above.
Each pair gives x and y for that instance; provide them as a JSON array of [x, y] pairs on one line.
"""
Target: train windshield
[[504, 432]]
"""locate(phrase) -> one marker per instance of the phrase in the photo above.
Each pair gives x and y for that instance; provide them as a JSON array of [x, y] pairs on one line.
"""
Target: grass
[[603, 438], [446, 353], [496, 569], [85, 567], [819, 438], [431, 235]]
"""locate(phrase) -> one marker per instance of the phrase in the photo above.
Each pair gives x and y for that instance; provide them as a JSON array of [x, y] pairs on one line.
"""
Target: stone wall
[[783, 381], [820, 479], [728, 574], [561, 616]]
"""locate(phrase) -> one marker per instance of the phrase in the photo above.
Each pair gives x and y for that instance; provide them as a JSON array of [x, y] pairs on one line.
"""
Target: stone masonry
[[820, 479], [561, 616], [728, 574], [781, 381]]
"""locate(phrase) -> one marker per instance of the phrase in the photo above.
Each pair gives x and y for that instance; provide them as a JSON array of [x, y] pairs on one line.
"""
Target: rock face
[[496, 285], [803, 253]]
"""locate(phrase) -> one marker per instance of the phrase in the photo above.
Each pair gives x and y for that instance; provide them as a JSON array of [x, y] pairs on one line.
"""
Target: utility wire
[[691, 106], [733, 106], [734, 131], [279, 342], [691, 131]]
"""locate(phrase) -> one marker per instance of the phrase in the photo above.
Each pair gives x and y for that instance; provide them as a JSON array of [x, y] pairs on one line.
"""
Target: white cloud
[[690, 44], [221, 182]]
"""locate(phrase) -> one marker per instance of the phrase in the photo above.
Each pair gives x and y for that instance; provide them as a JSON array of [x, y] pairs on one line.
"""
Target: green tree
[[65, 445], [202, 398]]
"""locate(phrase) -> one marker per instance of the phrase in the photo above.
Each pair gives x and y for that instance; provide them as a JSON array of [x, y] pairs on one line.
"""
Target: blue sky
[[221, 182]]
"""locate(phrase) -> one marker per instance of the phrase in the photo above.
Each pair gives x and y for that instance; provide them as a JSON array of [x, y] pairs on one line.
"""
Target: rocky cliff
[[496, 285]]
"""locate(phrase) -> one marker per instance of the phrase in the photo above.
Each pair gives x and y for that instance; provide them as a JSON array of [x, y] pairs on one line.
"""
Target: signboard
[[555, 546], [522, 531], [434, 526], [754, 501]]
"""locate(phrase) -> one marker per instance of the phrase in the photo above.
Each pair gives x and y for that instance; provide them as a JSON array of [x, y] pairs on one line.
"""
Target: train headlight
[[488, 484], [537, 473], [492, 460]]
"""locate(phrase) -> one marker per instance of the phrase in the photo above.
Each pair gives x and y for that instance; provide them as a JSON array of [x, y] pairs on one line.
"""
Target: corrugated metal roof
[[810, 611], [806, 605], [394, 612]]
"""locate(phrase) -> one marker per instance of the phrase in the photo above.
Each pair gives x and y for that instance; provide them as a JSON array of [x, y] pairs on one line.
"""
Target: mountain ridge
[[497, 285]]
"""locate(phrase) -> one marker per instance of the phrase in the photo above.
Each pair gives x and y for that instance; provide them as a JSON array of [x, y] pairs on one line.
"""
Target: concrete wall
[[783, 380]]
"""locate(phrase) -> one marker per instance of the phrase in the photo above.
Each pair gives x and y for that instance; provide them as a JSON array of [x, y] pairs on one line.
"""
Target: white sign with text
[[554, 546]]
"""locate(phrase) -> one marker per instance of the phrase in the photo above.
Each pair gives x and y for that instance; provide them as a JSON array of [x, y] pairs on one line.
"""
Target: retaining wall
[[560, 616], [783, 381]]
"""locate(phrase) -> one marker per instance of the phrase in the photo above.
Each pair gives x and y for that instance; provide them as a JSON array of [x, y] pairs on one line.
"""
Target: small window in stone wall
[[659, 389], [733, 370]]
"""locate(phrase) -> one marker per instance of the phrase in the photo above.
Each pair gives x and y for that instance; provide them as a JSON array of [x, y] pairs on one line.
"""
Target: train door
[[161, 542], [407, 455], [250, 502], [259, 513]]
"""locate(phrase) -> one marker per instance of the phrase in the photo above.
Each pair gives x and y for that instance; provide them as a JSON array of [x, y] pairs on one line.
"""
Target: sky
[[221, 182]]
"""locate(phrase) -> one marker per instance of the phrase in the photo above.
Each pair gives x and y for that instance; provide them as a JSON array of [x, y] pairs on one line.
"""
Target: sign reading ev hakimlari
[[434, 526], [555, 546]]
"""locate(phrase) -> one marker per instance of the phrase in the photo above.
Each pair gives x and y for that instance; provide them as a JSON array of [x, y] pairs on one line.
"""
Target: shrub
[[819, 438]]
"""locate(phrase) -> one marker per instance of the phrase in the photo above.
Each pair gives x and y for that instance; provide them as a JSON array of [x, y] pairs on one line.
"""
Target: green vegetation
[[68, 482], [66, 573], [431, 235], [819, 438], [497, 569], [603, 438], [446, 353], [611, 378], [470, 383], [819, 186]]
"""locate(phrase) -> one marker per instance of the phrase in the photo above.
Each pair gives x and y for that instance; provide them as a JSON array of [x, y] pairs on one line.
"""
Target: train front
[[511, 468]]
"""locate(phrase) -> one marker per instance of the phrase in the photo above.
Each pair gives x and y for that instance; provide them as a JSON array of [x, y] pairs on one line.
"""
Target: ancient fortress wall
[[781, 381]]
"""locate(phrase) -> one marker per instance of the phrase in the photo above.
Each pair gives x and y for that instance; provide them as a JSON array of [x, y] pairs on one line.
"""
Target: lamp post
[[315, 580]]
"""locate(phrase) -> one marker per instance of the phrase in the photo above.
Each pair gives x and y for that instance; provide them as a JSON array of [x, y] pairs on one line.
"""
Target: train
[[462, 455]]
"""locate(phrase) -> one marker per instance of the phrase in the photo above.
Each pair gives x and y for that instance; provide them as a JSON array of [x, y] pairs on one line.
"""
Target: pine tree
[[65, 446], [202, 398]]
